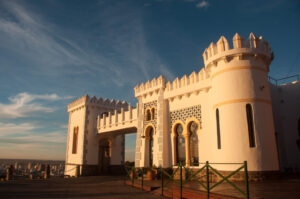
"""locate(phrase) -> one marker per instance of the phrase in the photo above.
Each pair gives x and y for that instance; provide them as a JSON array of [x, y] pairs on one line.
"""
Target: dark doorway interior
[[104, 156]]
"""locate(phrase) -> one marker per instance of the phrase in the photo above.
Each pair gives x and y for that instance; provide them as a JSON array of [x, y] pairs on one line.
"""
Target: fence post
[[142, 178], [125, 175], [207, 178], [246, 179], [162, 181], [180, 180], [132, 180]]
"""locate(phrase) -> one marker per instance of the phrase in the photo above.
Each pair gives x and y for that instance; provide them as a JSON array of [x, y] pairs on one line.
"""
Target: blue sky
[[53, 51]]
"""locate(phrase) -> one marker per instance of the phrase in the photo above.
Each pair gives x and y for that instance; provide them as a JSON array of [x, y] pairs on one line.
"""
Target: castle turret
[[242, 113]]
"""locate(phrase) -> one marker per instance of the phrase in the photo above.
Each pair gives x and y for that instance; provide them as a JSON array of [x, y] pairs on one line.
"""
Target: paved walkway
[[113, 187], [285, 188], [83, 187]]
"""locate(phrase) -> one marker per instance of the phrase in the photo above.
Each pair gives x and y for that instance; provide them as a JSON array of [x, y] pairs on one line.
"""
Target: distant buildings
[[27, 167]]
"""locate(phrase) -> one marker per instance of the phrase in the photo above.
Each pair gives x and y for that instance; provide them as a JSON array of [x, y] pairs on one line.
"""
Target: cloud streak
[[123, 53], [11, 128], [26, 140], [24, 104], [202, 4], [30, 37], [125, 30], [30, 138]]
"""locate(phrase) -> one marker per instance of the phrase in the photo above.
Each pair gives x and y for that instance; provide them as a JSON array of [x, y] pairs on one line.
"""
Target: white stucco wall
[[76, 119], [286, 105]]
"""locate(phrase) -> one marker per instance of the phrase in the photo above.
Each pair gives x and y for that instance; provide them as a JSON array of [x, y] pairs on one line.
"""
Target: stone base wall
[[116, 170], [90, 170], [93, 170], [239, 176]]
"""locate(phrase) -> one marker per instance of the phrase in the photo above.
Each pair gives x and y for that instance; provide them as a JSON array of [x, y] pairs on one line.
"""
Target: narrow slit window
[[218, 129], [153, 113], [148, 115], [250, 125], [75, 140]]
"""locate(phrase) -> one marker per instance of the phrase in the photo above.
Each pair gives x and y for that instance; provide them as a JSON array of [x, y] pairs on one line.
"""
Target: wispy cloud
[[202, 4], [26, 140], [30, 36], [26, 150], [24, 104], [124, 29], [32, 138], [123, 53], [63, 126], [12, 128]]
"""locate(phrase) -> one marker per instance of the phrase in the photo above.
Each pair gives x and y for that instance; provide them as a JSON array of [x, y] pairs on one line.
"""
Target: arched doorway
[[151, 147], [104, 156], [180, 144], [194, 153], [149, 133]]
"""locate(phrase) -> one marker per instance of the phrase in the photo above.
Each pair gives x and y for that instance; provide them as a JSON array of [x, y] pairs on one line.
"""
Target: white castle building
[[228, 112]]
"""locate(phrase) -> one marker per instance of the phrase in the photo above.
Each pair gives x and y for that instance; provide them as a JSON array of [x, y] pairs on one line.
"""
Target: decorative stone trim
[[185, 114], [153, 122]]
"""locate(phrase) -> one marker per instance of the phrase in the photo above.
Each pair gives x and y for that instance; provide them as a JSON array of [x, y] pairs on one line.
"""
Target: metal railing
[[133, 173], [277, 81]]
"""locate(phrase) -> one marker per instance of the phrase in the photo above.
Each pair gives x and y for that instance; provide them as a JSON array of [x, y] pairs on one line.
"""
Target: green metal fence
[[166, 177]]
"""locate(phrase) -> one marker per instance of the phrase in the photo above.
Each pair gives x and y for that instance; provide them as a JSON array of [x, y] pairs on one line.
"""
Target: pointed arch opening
[[149, 145], [179, 145], [193, 128], [148, 115], [153, 113]]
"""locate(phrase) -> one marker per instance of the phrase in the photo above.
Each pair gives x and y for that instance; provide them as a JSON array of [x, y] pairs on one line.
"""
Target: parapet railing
[[133, 173], [116, 119], [277, 81]]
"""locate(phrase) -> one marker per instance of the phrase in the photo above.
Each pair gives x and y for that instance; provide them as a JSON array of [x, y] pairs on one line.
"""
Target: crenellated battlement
[[185, 80], [86, 100], [108, 102], [255, 46], [150, 86], [78, 102], [186, 85]]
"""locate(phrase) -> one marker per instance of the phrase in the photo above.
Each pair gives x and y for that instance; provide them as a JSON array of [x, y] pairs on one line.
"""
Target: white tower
[[241, 103]]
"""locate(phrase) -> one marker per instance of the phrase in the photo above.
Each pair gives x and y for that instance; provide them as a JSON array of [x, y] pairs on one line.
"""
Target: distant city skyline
[[52, 52]]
